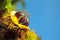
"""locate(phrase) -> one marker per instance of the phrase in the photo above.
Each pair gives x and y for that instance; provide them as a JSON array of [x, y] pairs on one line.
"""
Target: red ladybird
[[18, 14]]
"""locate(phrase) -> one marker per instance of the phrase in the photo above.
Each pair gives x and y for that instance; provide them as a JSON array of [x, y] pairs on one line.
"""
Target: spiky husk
[[31, 35]]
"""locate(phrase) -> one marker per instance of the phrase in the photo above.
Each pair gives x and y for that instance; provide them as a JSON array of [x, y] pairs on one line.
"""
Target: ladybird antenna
[[26, 13]]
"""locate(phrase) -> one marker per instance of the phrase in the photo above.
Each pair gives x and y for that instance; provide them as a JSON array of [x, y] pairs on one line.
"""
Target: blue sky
[[44, 18]]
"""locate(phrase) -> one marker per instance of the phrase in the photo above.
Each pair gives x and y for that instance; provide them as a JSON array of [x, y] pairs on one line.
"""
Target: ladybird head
[[24, 21]]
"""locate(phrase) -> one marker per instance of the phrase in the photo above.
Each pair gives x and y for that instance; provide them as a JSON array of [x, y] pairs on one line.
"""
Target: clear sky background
[[44, 18]]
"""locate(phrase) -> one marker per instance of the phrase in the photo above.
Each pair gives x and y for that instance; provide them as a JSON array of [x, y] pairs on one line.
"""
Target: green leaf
[[2, 4]]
